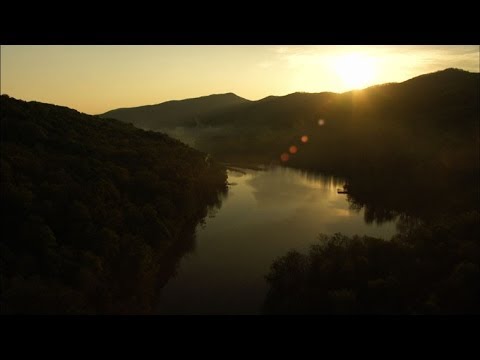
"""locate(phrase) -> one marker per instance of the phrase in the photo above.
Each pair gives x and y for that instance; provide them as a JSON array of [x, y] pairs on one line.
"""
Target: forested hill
[[434, 92], [176, 112], [428, 113], [95, 212], [424, 117]]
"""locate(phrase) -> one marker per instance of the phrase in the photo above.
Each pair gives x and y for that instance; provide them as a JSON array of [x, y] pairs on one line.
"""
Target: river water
[[265, 214]]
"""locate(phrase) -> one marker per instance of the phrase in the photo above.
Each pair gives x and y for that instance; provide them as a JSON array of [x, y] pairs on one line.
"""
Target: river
[[265, 214]]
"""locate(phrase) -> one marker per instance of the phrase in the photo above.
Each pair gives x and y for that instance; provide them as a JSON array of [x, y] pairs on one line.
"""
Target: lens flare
[[304, 139], [284, 157], [293, 149], [321, 122]]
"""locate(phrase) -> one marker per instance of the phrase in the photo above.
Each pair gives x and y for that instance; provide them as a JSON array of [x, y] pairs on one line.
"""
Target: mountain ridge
[[163, 115], [229, 94], [172, 112]]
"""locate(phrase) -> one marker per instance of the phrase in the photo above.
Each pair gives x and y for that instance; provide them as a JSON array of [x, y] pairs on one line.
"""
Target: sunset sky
[[95, 79]]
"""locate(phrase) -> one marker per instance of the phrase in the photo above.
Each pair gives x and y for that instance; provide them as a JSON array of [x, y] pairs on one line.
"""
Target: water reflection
[[264, 215]]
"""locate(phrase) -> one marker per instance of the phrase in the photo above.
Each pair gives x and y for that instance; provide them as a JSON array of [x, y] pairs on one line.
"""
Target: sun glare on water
[[355, 70]]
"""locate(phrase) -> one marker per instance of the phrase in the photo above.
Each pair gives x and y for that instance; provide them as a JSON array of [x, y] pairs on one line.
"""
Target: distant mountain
[[431, 112], [450, 87], [431, 109], [273, 111], [175, 113]]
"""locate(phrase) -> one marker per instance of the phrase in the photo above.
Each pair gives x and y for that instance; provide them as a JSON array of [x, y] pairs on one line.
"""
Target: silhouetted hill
[[175, 113], [430, 109], [450, 87], [442, 106], [95, 212], [277, 112]]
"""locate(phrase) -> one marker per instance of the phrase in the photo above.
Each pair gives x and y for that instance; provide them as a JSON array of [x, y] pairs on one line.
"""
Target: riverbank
[[239, 167]]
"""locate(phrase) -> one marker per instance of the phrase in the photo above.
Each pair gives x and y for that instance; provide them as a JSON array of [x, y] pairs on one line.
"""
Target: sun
[[355, 70]]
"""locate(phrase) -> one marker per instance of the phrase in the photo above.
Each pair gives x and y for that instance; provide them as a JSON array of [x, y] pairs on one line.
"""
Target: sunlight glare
[[355, 70]]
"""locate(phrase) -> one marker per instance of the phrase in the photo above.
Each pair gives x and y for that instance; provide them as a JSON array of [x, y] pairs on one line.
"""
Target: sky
[[95, 79]]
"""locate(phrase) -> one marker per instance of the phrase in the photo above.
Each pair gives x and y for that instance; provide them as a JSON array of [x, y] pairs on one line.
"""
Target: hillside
[[175, 113], [441, 106], [95, 212]]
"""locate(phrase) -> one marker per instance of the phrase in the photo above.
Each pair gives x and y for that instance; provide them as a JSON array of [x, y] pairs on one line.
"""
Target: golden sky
[[95, 79]]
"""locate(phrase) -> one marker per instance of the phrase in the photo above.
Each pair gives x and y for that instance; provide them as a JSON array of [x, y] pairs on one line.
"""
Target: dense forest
[[95, 212], [427, 268], [417, 161]]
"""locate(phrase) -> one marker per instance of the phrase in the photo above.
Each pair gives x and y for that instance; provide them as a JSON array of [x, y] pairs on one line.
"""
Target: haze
[[95, 79]]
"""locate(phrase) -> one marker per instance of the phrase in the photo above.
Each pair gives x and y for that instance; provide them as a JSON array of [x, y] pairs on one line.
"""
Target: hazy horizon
[[96, 79]]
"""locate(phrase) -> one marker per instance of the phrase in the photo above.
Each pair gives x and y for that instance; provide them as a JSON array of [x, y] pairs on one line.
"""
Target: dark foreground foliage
[[425, 269], [95, 213]]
